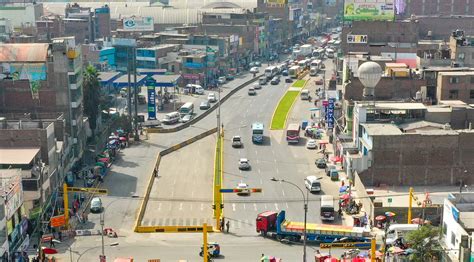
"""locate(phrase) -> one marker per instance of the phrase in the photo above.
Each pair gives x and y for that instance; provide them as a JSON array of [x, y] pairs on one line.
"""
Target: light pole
[[305, 201]]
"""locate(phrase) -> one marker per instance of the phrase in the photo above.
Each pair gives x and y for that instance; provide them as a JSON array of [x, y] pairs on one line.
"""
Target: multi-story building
[[6, 29], [22, 15], [152, 57], [49, 27], [462, 49], [456, 86]]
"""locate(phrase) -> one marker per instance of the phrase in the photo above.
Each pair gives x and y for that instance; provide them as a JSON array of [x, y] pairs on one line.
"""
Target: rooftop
[[419, 124], [17, 156], [394, 105], [382, 129], [23, 52], [107, 76], [457, 73]]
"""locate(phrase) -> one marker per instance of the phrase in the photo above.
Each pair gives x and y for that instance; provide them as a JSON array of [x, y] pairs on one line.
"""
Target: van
[[396, 231], [171, 118], [312, 184], [304, 94], [96, 205], [198, 90], [262, 80]]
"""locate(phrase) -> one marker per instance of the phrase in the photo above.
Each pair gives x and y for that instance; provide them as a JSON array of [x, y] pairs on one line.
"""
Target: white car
[[257, 86], [96, 205], [221, 80], [186, 118], [245, 189], [244, 164], [254, 70], [311, 144], [211, 97], [257, 63]]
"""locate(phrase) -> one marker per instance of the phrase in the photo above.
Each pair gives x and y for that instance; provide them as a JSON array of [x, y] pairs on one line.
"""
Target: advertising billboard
[[369, 10], [357, 39], [138, 23], [150, 84]]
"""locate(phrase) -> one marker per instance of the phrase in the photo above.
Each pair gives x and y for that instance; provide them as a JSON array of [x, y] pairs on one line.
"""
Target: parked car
[[211, 97], [311, 144], [284, 72], [186, 118], [204, 105], [221, 80], [275, 81], [229, 77], [288, 80], [262, 81], [257, 63], [256, 86], [254, 70], [319, 81], [252, 64], [96, 205], [244, 164], [237, 141], [245, 189], [252, 91], [320, 163]]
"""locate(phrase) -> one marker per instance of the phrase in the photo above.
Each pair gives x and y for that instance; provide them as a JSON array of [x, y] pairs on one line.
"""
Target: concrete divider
[[207, 112], [172, 229], [141, 212]]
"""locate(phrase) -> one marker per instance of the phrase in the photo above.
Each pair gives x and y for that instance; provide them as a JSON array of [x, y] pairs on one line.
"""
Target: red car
[[319, 81]]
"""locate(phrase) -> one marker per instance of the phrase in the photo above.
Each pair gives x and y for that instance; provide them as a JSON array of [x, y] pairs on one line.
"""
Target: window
[[472, 78], [461, 56], [453, 239], [471, 94], [454, 80], [453, 94]]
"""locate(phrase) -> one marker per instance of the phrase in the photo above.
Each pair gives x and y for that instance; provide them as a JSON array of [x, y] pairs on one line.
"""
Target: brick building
[[456, 86], [438, 8]]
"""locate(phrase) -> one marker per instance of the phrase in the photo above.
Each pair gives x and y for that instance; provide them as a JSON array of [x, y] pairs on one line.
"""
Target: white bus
[[294, 71], [319, 53], [327, 208], [303, 64], [186, 109], [271, 71], [329, 53]]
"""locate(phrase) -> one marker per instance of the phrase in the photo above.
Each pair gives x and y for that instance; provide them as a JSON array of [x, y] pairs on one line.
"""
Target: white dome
[[369, 74]]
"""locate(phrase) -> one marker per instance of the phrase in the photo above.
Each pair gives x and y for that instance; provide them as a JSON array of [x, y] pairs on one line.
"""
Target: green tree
[[425, 243], [91, 95]]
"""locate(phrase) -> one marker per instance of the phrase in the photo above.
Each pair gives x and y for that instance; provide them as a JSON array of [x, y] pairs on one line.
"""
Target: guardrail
[[206, 113], [141, 213]]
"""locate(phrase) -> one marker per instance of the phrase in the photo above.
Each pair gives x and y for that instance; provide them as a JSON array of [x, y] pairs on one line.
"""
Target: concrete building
[[153, 57], [49, 27], [462, 49], [22, 15], [433, 53], [458, 226], [456, 86], [6, 29], [437, 8]]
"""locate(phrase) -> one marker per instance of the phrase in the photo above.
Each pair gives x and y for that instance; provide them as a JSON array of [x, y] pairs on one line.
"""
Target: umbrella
[[314, 109], [395, 250], [99, 164], [104, 160], [122, 138], [336, 159], [380, 218], [113, 137], [111, 142], [390, 214], [345, 196], [417, 220], [49, 251], [342, 189]]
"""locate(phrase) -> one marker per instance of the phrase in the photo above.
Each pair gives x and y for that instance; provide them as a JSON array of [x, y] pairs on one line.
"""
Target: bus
[[303, 64], [186, 109], [293, 133], [271, 71], [294, 71], [327, 208], [318, 53], [314, 67], [329, 53], [257, 133]]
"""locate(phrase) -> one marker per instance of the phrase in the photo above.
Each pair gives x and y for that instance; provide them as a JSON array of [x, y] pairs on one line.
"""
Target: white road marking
[[174, 181], [172, 193], [255, 207], [202, 206], [256, 153], [261, 181], [240, 171], [180, 206], [233, 207], [191, 207], [244, 206], [273, 152], [257, 161], [274, 160], [287, 205], [239, 152], [265, 206], [192, 192], [278, 171], [159, 206], [258, 170], [276, 206], [283, 191]]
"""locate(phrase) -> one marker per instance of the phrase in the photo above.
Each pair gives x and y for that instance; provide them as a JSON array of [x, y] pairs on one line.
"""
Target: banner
[[369, 10], [357, 39], [150, 84], [330, 113], [138, 24]]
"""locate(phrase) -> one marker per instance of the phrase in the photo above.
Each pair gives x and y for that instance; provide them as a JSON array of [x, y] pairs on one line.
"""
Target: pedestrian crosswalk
[[236, 223]]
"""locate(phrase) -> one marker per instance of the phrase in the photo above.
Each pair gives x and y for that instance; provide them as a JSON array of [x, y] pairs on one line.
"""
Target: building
[[49, 27], [456, 86], [153, 57], [462, 49], [22, 15], [102, 22], [458, 227], [6, 29], [16, 221], [445, 8]]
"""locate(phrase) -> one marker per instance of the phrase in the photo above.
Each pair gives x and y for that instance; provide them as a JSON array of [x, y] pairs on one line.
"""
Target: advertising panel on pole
[[13, 199], [135, 23], [150, 84], [369, 10], [330, 113], [58, 221], [357, 39]]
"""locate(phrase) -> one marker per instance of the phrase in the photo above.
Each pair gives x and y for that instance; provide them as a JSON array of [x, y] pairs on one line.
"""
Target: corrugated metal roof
[[36, 52]]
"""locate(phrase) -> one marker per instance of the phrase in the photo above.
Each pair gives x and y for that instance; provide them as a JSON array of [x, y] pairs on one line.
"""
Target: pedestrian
[[60, 235], [222, 224], [51, 242], [227, 225]]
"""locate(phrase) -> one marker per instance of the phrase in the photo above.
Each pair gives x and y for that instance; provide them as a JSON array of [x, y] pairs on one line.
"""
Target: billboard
[[357, 39], [369, 10], [24, 71], [138, 23], [151, 83]]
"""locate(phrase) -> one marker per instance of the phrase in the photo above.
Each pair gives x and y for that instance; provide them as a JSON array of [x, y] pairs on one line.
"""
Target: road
[[129, 177]]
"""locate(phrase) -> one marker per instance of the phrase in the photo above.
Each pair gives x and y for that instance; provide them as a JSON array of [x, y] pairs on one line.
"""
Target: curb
[[291, 107]]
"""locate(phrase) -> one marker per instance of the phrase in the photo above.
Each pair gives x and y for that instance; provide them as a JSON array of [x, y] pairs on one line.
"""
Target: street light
[[305, 201]]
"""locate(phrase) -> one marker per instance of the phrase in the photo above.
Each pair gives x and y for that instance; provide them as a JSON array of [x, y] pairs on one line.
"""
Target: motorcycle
[[213, 250]]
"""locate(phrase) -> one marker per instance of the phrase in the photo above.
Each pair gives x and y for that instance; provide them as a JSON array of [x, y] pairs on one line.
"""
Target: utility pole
[[135, 122], [129, 93], [410, 204], [102, 233]]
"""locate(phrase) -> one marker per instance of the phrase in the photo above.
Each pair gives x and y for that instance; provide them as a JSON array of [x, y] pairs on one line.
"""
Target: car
[[96, 205], [320, 163], [311, 144], [256, 86], [319, 81], [211, 97], [185, 118], [229, 77], [124, 92], [288, 80], [275, 81], [221, 80], [284, 72], [262, 81], [252, 91], [204, 105], [244, 164], [236, 141], [245, 191], [252, 64], [254, 70], [257, 63]]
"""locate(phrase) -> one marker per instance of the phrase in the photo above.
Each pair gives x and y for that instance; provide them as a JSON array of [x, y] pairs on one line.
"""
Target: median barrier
[[205, 113], [172, 229], [141, 212]]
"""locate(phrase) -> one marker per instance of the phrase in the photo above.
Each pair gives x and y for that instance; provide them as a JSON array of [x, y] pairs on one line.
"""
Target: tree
[[91, 95], [425, 243]]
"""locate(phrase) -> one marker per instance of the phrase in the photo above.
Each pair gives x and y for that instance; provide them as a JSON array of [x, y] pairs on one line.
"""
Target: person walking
[[51, 242], [222, 224], [227, 225]]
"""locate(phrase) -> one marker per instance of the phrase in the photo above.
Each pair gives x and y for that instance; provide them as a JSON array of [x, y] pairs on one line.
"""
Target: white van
[[304, 94], [396, 231], [171, 118], [312, 184], [195, 89]]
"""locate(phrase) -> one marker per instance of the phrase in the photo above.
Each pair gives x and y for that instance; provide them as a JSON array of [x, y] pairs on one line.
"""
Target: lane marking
[[255, 207], [256, 153], [244, 206], [159, 206], [276, 206], [192, 192], [202, 206], [174, 181], [259, 170], [172, 193], [257, 161], [273, 152], [287, 205], [180, 206], [265, 206], [191, 207], [283, 191], [233, 207], [278, 171], [239, 152], [261, 181]]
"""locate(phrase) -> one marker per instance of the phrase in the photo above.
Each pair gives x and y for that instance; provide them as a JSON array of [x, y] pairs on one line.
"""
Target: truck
[[306, 50], [275, 225]]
